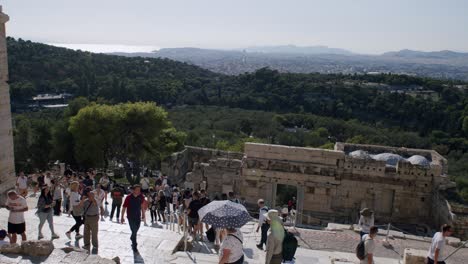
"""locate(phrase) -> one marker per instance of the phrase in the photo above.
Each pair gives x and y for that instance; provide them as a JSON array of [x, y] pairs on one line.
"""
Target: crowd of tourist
[[83, 197]]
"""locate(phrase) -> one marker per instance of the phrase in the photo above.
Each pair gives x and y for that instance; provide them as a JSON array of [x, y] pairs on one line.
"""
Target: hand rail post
[[185, 232]]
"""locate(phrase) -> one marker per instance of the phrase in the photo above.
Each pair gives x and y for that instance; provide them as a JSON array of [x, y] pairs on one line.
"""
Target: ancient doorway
[[285, 195], [384, 203]]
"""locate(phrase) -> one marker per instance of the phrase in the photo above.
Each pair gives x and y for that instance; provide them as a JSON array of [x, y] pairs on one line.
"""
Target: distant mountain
[[440, 64], [409, 54], [292, 49]]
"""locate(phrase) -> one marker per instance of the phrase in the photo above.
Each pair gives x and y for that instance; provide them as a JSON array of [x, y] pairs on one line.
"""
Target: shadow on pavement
[[137, 258]]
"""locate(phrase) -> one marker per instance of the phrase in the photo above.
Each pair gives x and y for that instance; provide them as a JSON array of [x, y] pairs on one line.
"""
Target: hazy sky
[[365, 26]]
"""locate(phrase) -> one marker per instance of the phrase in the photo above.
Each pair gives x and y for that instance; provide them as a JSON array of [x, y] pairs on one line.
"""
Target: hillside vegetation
[[216, 110]]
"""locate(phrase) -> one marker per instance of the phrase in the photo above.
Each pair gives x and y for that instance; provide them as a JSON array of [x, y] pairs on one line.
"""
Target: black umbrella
[[224, 214]]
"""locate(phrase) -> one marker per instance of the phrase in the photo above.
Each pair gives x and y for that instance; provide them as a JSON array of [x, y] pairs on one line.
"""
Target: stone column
[[7, 164], [300, 204]]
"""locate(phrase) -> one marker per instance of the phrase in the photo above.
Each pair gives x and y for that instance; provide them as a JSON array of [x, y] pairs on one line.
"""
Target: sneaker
[[106, 203], [260, 247], [55, 236], [40, 236], [102, 218], [78, 236], [68, 235]]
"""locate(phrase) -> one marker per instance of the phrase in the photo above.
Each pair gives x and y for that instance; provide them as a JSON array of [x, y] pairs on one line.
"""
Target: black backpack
[[211, 235], [289, 246], [361, 250]]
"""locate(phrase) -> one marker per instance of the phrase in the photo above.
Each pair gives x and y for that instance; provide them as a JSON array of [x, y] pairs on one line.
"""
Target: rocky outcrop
[[414, 256], [37, 247], [11, 249]]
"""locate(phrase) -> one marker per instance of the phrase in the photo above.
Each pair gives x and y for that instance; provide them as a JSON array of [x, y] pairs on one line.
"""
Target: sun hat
[[366, 212], [272, 215]]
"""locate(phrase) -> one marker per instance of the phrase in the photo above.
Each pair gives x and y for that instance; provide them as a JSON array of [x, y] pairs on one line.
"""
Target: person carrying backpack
[[232, 249], [365, 248], [274, 243], [262, 223]]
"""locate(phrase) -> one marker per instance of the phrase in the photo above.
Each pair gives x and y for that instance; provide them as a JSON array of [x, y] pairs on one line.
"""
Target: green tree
[[130, 134]]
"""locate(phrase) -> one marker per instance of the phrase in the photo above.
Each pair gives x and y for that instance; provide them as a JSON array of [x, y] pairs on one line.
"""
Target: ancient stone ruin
[[401, 185], [7, 164]]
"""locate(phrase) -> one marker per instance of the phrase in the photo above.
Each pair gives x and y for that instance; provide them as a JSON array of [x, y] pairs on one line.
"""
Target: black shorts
[[431, 261], [16, 228], [193, 221]]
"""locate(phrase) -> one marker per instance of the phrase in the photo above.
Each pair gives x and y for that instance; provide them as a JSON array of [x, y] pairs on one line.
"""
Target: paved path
[[346, 240], [203, 252], [155, 243]]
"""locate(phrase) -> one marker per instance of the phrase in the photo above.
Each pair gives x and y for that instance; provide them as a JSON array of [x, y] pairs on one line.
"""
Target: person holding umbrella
[[232, 250], [230, 216], [274, 243]]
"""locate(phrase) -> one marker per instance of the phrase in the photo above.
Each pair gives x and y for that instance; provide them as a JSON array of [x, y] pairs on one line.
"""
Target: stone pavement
[[346, 240], [203, 253], [156, 244]]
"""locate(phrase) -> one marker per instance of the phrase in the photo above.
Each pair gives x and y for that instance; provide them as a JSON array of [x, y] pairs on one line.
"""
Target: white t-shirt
[[369, 248], [438, 242], [75, 199], [47, 181], [99, 196], [175, 198], [366, 223], [234, 245], [22, 182], [144, 183], [17, 204], [261, 215], [58, 193], [104, 182]]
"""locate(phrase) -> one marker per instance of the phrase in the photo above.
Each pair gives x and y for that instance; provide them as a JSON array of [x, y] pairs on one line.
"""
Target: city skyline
[[362, 26]]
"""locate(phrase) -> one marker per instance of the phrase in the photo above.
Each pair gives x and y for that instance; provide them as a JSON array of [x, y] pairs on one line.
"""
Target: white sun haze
[[365, 26]]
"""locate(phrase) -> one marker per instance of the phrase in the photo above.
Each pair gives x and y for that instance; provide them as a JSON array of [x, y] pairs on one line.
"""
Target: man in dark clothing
[[158, 182], [262, 223], [117, 197], [88, 182], [41, 181], [134, 206], [193, 217], [68, 171]]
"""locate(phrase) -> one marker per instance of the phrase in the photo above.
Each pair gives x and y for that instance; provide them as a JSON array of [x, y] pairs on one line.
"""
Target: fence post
[[388, 232], [386, 243], [185, 232]]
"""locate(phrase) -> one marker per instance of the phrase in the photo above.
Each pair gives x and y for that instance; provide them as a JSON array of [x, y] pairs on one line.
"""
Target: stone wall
[[220, 170], [7, 165], [218, 176], [333, 186], [459, 221]]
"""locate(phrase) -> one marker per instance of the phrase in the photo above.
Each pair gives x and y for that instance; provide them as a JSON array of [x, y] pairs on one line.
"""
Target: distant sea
[[106, 48]]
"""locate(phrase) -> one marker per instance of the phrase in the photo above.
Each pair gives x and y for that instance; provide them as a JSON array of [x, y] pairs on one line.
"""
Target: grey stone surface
[[155, 243], [11, 249], [37, 247]]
